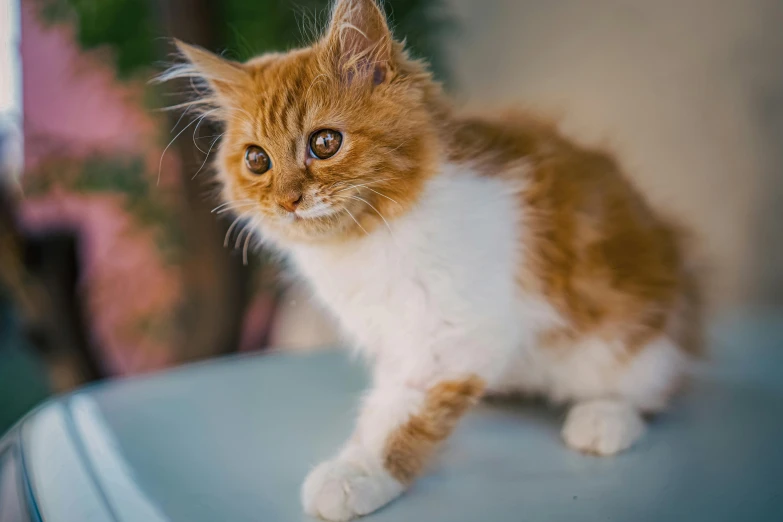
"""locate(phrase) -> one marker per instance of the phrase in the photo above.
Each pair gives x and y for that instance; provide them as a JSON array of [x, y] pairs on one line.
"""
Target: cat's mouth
[[318, 218], [307, 224], [315, 219], [319, 210]]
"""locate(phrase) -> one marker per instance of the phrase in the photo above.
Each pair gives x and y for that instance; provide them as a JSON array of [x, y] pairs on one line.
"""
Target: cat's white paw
[[602, 427], [339, 490]]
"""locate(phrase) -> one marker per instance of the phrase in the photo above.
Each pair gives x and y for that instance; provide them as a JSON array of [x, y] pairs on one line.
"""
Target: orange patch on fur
[[409, 447], [595, 249]]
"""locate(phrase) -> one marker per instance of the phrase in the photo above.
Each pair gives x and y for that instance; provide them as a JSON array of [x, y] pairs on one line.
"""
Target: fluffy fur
[[462, 255]]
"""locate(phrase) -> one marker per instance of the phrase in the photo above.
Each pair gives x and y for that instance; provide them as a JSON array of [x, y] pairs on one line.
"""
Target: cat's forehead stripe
[[271, 112], [281, 94]]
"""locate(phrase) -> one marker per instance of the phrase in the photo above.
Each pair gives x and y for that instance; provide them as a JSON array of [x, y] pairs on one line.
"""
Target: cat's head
[[320, 142]]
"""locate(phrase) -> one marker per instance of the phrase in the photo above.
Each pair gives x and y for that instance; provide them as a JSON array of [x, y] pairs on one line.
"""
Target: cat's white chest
[[442, 277]]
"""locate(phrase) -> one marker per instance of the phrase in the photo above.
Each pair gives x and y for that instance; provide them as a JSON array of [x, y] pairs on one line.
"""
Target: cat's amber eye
[[325, 143], [257, 160]]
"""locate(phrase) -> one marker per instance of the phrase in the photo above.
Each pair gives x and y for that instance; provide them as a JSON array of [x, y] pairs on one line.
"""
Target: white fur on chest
[[441, 280], [437, 295]]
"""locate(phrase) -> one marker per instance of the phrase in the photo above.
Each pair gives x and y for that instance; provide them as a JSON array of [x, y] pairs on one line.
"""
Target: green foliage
[[254, 27], [424, 26], [245, 27], [127, 27]]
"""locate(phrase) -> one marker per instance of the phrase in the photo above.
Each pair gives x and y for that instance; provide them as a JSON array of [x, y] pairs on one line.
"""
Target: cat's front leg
[[399, 427]]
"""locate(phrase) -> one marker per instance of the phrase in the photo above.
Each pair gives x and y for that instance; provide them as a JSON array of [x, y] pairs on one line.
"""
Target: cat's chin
[[304, 230]]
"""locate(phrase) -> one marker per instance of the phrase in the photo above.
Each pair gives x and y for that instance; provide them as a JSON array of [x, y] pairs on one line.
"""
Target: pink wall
[[72, 103], [75, 108]]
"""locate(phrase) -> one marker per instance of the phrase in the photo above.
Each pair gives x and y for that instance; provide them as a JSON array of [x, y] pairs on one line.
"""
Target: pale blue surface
[[232, 441]]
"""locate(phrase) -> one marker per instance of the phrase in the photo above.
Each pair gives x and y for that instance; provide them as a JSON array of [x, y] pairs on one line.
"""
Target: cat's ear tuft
[[225, 78], [360, 42]]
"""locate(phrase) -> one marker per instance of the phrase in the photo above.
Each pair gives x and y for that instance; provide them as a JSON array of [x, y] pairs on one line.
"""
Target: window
[[10, 91]]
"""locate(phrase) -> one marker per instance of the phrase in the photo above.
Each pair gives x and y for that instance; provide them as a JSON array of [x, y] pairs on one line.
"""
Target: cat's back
[[595, 248]]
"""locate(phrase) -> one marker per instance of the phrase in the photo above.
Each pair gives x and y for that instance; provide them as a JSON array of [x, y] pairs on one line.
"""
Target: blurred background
[[112, 263]]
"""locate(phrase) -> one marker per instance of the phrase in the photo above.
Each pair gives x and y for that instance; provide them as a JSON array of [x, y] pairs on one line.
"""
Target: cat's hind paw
[[602, 427], [339, 490]]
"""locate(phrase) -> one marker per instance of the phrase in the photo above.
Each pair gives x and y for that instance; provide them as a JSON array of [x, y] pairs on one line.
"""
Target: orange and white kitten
[[463, 256]]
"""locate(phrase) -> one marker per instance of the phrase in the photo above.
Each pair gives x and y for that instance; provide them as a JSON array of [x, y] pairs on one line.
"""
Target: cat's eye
[[325, 143], [257, 160]]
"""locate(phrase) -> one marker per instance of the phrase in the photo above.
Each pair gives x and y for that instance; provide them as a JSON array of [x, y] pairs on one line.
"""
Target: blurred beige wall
[[689, 93]]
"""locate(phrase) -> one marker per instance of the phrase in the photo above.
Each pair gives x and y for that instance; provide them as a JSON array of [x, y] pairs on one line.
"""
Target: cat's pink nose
[[289, 202]]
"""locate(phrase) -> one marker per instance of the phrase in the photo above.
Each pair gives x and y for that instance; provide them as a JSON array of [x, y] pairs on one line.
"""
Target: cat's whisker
[[203, 102], [180, 118], [246, 228], [336, 184], [160, 164], [229, 203], [403, 142], [244, 249], [355, 221], [384, 196], [376, 211], [231, 228], [235, 207], [195, 88], [376, 192], [195, 131], [363, 184], [207, 156]]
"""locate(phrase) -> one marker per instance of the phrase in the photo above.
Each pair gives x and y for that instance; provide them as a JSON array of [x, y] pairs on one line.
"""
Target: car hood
[[233, 440], [226, 440]]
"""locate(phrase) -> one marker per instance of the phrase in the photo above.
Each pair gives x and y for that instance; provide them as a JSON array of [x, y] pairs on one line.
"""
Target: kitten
[[463, 256]]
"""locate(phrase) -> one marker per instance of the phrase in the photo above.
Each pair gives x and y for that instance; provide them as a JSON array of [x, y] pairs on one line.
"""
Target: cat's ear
[[359, 41], [225, 78]]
